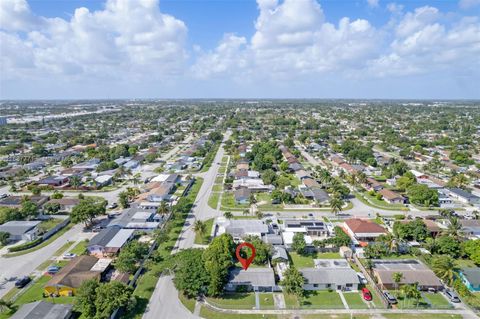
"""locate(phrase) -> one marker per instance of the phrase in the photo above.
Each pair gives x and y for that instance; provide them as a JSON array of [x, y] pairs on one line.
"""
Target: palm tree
[[245, 212], [136, 179], [397, 278], [336, 204], [259, 214], [252, 199], [200, 228], [454, 227], [163, 209], [228, 215], [444, 267], [75, 181]]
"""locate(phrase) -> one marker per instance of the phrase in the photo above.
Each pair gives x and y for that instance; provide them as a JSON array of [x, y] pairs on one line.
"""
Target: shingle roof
[[364, 226], [104, 236], [337, 276], [75, 272], [43, 310], [254, 276], [472, 274]]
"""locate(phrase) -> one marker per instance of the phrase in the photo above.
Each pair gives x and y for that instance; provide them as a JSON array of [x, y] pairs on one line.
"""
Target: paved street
[[201, 209], [164, 302], [26, 264]]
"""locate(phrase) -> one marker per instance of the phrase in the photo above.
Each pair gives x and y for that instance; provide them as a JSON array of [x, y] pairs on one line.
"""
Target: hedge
[[28, 245]]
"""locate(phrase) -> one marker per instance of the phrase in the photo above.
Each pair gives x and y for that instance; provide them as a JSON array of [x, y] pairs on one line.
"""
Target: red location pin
[[245, 262]]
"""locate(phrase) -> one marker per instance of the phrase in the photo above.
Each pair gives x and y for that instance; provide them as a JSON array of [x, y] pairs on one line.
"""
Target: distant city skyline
[[366, 49]]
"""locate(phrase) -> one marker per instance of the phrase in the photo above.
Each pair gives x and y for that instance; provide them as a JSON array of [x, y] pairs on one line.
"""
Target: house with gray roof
[[43, 310], [253, 279], [333, 274], [21, 229], [240, 228], [471, 278]]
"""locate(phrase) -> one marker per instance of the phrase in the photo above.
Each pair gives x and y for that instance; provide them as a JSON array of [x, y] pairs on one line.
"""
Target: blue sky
[[243, 48]]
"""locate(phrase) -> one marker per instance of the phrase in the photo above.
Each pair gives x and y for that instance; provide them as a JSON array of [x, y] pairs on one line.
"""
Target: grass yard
[[322, 299], [437, 300], [208, 313], [228, 202], [222, 169], [213, 200], [189, 303], [217, 188], [291, 301], [234, 301], [206, 239], [79, 248], [302, 261], [46, 225], [35, 293], [59, 252], [421, 316], [266, 301], [355, 300], [464, 263], [219, 180]]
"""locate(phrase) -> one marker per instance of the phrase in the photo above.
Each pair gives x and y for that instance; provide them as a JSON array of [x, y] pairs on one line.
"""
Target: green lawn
[[46, 225], [464, 263], [219, 180], [79, 248], [207, 313], [437, 300], [302, 261], [228, 202], [266, 301], [376, 299], [381, 204], [189, 303], [222, 169], [217, 188], [307, 261], [213, 200], [234, 301], [291, 301], [198, 239], [59, 251], [421, 316], [322, 299], [35, 293], [355, 300]]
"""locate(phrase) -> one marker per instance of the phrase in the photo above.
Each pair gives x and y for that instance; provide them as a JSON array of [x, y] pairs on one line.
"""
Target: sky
[[70, 49]]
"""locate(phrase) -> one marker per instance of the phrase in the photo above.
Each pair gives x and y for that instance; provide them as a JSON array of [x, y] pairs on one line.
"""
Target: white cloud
[[468, 4], [128, 38], [372, 3]]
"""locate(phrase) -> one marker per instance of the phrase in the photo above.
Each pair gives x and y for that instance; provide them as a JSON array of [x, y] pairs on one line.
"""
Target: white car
[[69, 256], [362, 278]]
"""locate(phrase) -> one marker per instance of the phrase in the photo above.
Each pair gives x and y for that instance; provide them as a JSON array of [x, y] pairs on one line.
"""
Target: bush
[[25, 246]]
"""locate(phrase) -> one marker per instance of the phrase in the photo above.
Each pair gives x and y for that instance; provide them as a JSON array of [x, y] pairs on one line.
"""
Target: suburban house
[[66, 203], [372, 184], [463, 196], [109, 241], [391, 196], [255, 279], [16, 201], [316, 228], [43, 310], [71, 277], [253, 184], [239, 228], [363, 231], [21, 229], [413, 271], [335, 274], [54, 181], [470, 228], [471, 278]]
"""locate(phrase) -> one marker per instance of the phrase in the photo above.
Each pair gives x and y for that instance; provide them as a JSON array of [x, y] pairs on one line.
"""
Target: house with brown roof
[[372, 184], [363, 231], [392, 197], [71, 277]]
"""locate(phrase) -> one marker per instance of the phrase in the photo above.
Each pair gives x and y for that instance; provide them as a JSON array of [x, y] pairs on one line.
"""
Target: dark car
[[390, 298], [53, 270], [22, 282], [366, 294], [452, 296]]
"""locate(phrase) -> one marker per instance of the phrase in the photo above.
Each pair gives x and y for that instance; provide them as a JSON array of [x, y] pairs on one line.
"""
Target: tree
[[228, 215], [245, 212], [299, 244], [56, 195], [448, 245], [87, 210], [191, 277], [200, 228], [163, 209], [472, 249], [422, 195], [336, 205], [293, 282], [397, 278], [444, 267], [454, 227], [218, 258], [252, 199], [29, 209], [269, 176], [75, 181], [123, 199], [85, 298], [259, 214], [111, 296], [262, 249], [51, 208], [130, 256], [4, 237]]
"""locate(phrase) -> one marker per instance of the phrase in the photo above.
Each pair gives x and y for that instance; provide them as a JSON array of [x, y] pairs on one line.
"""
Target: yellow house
[[71, 277]]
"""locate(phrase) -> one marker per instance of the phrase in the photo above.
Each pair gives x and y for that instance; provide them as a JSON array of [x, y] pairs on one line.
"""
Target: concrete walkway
[[345, 304], [279, 301]]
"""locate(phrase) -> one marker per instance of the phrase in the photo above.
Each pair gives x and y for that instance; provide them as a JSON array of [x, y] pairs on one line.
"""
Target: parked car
[[53, 270], [452, 296], [362, 278], [366, 294], [69, 255], [22, 282], [112, 206], [390, 298]]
